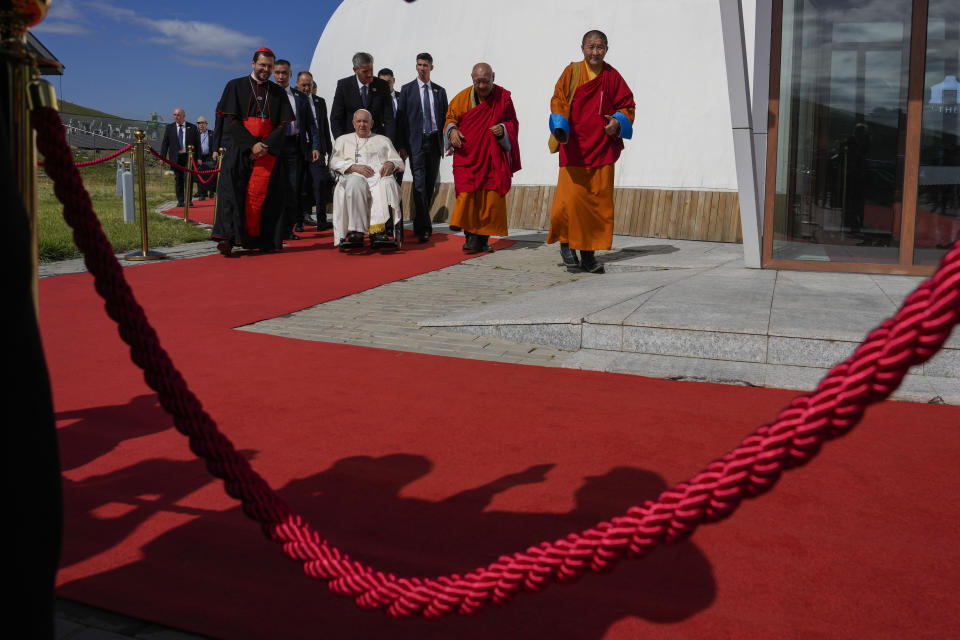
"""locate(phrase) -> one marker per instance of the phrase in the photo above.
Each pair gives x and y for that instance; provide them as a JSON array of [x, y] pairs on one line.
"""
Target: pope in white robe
[[366, 189]]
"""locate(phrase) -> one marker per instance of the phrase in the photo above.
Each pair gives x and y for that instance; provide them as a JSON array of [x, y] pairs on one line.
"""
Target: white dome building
[[677, 177]]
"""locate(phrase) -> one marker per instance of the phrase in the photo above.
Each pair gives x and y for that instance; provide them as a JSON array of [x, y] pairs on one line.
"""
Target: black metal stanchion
[[144, 253]]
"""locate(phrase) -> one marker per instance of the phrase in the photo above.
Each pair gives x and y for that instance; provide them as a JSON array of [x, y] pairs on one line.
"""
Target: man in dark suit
[[422, 109], [301, 145], [386, 74], [316, 187], [362, 91], [178, 135], [206, 155]]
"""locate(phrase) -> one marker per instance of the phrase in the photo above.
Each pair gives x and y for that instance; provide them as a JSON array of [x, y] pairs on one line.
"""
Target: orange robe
[[582, 212], [483, 168]]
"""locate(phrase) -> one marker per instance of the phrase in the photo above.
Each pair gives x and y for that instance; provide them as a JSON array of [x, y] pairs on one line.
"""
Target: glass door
[[938, 185], [841, 132]]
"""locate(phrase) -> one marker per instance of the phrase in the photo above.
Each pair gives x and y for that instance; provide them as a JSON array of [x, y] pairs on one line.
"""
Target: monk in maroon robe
[[592, 113], [481, 131]]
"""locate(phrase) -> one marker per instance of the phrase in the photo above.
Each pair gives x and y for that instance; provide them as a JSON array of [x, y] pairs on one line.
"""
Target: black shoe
[[292, 236], [298, 227], [570, 260], [179, 204], [470, 244], [482, 245], [423, 237], [225, 247], [309, 221], [382, 240], [353, 241], [589, 263]]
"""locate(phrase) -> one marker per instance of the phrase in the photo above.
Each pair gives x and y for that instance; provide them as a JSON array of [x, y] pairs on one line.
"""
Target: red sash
[[259, 176], [481, 163], [588, 145]]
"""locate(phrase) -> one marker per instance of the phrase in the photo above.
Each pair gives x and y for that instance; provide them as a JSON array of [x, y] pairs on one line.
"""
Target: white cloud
[[57, 26], [65, 10], [188, 37], [204, 62], [202, 38], [64, 17]]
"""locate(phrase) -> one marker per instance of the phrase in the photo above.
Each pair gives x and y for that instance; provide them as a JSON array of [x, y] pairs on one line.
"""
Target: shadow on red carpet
[[423, 465]]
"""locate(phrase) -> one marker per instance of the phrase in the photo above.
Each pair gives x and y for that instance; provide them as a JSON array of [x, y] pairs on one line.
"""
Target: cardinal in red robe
[[253, 185]]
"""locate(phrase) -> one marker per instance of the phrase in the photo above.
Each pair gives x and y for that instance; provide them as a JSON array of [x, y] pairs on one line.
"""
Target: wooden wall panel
[[654, 213]]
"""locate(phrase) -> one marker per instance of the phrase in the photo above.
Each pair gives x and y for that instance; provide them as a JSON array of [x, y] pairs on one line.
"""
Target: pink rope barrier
[[180, 167], [197, 172], [87, 163]]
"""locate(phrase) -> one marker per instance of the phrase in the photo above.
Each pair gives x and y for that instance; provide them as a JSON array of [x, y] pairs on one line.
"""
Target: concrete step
[[915, 387], [718, 322], [698, 345]]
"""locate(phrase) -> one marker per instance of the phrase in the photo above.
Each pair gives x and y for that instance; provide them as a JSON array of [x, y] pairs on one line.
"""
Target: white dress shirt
[[293, 128], [433, 107]]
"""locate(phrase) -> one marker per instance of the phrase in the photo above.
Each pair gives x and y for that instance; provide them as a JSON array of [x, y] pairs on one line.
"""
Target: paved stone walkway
[[76, 621], [179, 252], [388, 316]]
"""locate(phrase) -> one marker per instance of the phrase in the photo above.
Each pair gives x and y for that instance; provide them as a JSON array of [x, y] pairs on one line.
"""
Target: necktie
[[363, 96], [427, 127], [182, 147]]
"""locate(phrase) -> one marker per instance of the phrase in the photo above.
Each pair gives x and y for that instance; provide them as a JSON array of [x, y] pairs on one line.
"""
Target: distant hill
[[94, 129], [76, 109]]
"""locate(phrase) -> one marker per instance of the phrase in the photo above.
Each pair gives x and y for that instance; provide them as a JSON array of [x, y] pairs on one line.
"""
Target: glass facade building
[[863, 167]]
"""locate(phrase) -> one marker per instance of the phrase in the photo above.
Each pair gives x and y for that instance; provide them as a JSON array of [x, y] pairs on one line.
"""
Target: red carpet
[[389, 456], [200, 211]]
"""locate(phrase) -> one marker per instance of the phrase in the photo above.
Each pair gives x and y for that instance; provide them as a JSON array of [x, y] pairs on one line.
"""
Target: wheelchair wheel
[[398, 231]]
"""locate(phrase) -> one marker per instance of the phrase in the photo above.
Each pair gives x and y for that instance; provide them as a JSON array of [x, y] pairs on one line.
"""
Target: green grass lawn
[[55, 238]]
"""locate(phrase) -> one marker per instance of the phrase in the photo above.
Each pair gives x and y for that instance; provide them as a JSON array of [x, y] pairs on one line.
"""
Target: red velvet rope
[[87, 163], [179, 167], [871, 374], [198, 172]]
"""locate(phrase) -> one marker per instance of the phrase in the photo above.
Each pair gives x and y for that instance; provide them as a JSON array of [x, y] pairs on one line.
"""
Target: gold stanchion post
[[216, 193], [140, 156], [25, 90], [189, 197]]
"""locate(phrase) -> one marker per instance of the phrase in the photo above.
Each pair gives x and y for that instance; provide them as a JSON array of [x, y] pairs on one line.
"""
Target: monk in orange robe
[[481, 132], [592, 112]]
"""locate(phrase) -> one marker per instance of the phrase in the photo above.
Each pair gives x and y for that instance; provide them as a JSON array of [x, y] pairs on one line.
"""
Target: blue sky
[[134, 58]]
